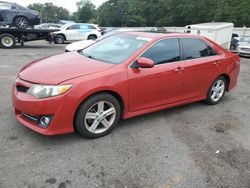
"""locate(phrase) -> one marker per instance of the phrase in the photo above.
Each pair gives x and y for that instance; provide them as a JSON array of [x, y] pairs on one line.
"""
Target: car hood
[[79, 45], [244, 45], [59, 68]]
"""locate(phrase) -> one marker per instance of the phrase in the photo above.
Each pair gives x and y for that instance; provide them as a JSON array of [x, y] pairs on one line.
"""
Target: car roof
[[6, 2]]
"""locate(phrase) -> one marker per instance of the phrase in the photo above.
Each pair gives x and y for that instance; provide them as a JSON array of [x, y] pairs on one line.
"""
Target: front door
[[72, 33], [161, 84]]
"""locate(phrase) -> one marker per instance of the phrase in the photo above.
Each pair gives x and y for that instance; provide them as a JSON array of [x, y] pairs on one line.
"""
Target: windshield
[[246, 40], [115, 49]]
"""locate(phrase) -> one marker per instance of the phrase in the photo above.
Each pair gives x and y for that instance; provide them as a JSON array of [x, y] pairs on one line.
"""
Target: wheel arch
[[109, 91], [92, 34], [227, 77], [61, 34], [16, 16]]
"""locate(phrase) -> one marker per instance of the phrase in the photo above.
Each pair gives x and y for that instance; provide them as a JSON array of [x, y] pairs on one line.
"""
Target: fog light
[[45, 121]]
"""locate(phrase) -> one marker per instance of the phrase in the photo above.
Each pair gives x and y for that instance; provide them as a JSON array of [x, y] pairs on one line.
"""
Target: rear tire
[[216, 91], [97, 116], [59, 39], [92, 37], [21, 22], [7, 41]]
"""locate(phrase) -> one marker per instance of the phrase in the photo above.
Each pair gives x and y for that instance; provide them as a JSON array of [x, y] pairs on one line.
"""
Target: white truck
[[220, 32]]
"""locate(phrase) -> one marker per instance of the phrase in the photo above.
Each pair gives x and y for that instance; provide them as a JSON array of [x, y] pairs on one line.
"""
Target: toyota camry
[[119, 77]]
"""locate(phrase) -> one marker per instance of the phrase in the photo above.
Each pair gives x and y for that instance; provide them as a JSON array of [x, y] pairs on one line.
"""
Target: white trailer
[[220, 32]]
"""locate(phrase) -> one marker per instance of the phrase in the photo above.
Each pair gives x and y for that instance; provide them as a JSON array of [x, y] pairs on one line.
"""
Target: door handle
[[216, 62], [179, 69]]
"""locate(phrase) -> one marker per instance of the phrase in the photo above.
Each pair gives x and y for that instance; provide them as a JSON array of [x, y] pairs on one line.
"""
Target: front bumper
[[27, 108], [242, 52]]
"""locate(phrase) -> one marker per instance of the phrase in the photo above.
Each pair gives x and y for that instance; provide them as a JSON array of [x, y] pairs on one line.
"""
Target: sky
[[68, 4]]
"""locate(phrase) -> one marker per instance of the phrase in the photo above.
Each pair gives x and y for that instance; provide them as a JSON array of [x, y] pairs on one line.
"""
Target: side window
[[73, 27], [13, 7], [91, 27], [196, 48], [5, 6], [83, 27], [211, 51], [164, 51]]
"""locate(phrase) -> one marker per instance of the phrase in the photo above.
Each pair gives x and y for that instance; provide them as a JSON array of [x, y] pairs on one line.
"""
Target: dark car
[[12, 14]]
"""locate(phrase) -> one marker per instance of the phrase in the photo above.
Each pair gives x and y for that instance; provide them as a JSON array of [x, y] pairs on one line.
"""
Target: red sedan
[[121, 76]]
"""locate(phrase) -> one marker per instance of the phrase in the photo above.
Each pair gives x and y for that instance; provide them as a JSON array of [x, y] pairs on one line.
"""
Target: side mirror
[[144, 62]]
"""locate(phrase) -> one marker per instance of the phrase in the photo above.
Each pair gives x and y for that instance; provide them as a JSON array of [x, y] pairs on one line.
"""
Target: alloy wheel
[[21, 22], [100, 117], [218, 90]]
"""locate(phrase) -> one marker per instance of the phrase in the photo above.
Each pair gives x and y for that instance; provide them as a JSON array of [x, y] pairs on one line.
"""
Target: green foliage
[[85, 12], [136, 13], [50, 13], [172, 12]]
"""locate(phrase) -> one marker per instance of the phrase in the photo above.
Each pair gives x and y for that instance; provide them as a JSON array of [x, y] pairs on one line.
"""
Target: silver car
[[244, 47]]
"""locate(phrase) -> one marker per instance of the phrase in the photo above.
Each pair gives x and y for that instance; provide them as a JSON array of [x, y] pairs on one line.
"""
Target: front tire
[[97, 116], [216, 91], [59, 39]]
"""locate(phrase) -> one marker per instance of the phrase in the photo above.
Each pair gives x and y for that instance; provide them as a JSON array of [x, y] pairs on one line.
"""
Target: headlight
[[45, 91]]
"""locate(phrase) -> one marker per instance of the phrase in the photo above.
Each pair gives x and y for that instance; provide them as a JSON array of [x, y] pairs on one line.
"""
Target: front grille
[[245, 49], [22, 88]]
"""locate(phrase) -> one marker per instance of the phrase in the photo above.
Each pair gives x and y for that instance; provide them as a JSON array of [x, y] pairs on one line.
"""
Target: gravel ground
[[189, 146]]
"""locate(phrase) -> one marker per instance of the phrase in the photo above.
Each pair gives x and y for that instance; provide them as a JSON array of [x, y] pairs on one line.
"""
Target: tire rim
[[21, 22], [218, 90], [59, 40], [100, 117], [7, 41]]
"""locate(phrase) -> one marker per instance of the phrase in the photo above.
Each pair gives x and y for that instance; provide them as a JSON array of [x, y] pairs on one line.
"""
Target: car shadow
[[122, 126]]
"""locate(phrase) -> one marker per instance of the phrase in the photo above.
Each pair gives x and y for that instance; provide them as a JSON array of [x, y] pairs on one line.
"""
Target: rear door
[[202, 63], [85, 30], [7, 12]]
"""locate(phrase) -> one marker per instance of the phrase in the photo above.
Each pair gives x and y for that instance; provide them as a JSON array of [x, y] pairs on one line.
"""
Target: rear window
[[92, 27], [196, 48], [5, 6]]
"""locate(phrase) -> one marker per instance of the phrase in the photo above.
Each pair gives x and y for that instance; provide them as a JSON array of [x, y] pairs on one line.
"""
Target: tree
[[85, 11], [172, 12], [50, 13]]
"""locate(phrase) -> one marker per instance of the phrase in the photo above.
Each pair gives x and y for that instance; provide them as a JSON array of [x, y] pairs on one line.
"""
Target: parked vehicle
[[244, 47], [9, 37], [12, 14], [157, 29], [49, 26], [121, 76], [76, 32], [219, 32], [75, 46]]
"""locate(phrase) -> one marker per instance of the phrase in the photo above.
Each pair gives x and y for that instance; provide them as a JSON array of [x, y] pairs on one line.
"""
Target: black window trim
[[132, 65], [183, 53]]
